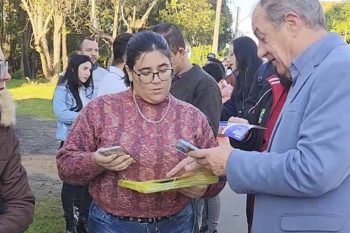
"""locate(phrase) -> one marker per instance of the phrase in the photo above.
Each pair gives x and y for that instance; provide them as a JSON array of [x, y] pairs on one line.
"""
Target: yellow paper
[[203, 177]]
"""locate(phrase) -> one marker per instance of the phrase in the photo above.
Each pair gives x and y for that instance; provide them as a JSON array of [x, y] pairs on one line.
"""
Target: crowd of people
[[294, 83]]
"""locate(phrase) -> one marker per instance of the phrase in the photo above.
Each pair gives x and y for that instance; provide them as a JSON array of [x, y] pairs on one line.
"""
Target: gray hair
[[310, 11]]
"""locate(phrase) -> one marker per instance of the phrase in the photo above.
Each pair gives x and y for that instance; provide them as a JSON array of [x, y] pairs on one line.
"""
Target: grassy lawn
[[40, 108], [48, 216], [32, 99]]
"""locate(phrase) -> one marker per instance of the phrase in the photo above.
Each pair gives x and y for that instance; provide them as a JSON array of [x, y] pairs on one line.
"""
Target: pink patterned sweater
[[114, 120]]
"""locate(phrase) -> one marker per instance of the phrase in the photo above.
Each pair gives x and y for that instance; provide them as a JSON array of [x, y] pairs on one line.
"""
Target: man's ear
[[129, 72], [182, 51], [293, 22]]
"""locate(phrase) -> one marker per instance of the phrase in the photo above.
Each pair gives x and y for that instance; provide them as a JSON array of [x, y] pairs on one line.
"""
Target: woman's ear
[[129, 72]]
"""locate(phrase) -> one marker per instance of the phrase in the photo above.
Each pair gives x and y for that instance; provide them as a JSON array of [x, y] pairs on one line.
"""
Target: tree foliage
[[39, 35], [338, 19], [194, 17]]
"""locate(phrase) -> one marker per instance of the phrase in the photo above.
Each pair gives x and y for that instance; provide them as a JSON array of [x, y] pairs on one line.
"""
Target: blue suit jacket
[[302, 183]]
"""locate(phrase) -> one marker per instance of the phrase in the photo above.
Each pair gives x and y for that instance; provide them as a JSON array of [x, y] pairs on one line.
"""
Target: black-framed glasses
[[147, 77]]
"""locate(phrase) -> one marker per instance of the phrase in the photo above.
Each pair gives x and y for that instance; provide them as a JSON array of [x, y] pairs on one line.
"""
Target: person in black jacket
[[244, 60], [257, 108], [266, 99]]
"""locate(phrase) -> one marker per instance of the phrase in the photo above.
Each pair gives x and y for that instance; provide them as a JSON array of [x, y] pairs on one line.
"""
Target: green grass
[[32, 99], [39, 108], [48, 216], [15, 83]]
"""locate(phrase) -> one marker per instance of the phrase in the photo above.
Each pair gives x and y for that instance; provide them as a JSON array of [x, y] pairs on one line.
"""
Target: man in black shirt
[[191, 83]]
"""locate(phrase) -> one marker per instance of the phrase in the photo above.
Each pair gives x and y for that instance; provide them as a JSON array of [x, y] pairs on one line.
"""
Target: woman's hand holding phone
[[112, 158]]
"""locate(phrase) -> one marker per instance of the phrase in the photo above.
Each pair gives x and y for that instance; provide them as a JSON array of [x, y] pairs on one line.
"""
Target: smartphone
[[185, 147], [112, 150]]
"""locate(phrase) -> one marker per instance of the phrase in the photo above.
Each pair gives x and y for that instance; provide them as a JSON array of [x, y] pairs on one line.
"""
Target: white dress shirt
[[112, 82]]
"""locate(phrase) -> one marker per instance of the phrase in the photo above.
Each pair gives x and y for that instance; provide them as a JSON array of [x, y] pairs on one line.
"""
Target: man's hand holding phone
[[113, 158]]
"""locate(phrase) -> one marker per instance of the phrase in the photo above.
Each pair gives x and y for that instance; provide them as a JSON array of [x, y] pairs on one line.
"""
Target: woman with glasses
[[146, 121], [74, 90]]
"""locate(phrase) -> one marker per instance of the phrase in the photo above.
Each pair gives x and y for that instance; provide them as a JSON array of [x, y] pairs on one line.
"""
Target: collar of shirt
[[116, 70], [314, 54], [186, 73], [94, 66]]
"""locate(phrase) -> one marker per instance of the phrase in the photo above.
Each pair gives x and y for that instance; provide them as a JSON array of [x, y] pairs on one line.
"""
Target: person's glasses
[[148, 77], [3, 69]]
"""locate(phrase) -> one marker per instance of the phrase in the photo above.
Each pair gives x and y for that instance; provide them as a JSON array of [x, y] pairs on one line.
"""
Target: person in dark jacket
[[244, 60], [218, 74], [16, 198], [191, 83], [266, 99]]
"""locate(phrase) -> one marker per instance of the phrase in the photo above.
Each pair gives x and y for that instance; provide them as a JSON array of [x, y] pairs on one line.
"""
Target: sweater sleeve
[[74, 159]]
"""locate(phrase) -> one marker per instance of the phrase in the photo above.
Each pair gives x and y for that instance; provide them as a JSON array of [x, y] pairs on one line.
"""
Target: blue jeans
[[102, 222]]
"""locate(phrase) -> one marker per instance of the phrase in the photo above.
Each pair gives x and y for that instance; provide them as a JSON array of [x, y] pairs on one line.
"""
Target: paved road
[[36, 136], [232, 215]]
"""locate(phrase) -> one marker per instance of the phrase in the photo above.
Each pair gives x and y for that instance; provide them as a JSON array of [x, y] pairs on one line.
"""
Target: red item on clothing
[[279, 95]]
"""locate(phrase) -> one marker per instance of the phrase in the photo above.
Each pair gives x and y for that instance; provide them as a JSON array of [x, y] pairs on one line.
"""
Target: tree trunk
[[45, 58], [44, 65], [217, 27], [1, 22], [40, 20], [25, 47], [116, 4], [64, 45], [93, 15], [136, 24], [57, 38]]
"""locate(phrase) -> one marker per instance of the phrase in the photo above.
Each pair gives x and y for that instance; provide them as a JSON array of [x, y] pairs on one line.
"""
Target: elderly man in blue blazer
[[302, 181]]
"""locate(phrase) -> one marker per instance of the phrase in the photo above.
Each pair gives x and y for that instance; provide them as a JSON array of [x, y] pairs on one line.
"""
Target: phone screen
[[185, 147]]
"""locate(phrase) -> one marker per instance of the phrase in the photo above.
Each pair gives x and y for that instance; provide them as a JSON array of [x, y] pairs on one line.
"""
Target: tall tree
[[338, 19], [195, 17], [135, 13], [40, 16], [48, 18]]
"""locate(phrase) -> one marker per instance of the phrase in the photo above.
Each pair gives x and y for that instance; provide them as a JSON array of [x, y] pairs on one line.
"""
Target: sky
[[246, 7]]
